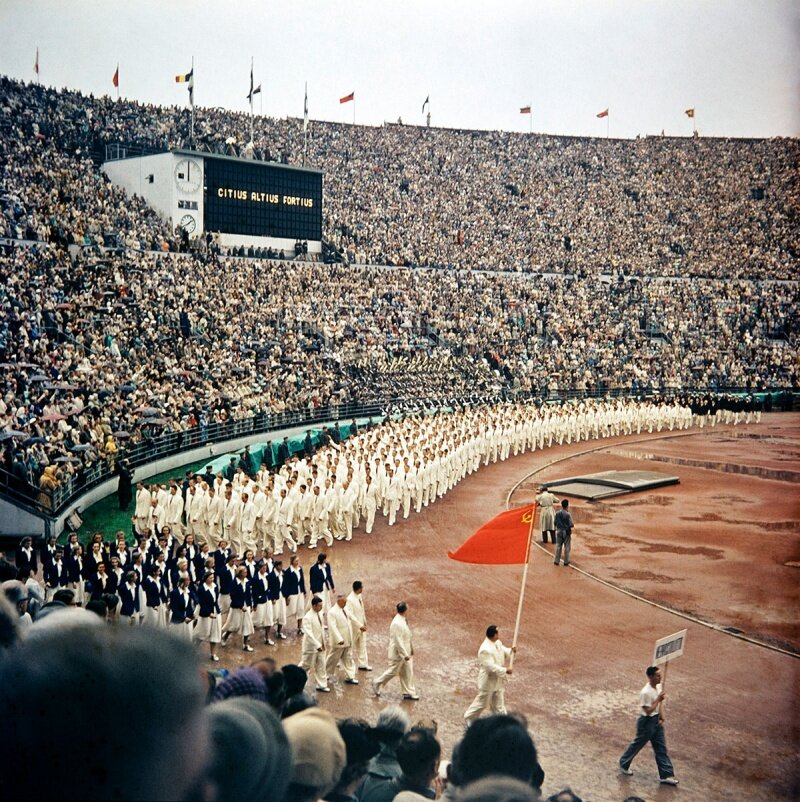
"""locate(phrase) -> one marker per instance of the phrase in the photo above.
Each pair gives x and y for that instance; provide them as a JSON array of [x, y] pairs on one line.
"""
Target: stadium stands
[[531, 266]]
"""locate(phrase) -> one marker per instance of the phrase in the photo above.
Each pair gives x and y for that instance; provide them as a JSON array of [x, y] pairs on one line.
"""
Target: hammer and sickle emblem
[[527, 517]]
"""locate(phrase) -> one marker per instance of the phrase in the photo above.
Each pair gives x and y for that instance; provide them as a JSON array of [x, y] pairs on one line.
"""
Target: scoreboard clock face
[[188, 175], [261, 199], [189, 223]]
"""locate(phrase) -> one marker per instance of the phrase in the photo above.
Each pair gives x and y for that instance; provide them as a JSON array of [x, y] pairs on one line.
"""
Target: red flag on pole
[[525, 110], [36, 63], [115, 79], [347, 98], [603, 113], [501, 541]]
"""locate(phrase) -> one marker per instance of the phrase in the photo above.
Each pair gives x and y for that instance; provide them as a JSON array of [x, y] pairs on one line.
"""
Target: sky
[[736, 62]]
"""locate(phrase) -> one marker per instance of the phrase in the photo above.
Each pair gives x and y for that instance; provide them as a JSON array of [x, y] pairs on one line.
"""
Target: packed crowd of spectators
[[108, 333], [478, 199]]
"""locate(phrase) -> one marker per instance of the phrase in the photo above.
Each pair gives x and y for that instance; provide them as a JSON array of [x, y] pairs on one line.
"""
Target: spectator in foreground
[[500, 745], [247, 735], [361, 745], [418, 755], [495, 788], [159, 748], [319, 754], [392, 724]]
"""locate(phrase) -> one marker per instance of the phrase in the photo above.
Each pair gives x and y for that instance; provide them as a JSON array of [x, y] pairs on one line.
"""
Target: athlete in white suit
[[491, 677], [401, 656]]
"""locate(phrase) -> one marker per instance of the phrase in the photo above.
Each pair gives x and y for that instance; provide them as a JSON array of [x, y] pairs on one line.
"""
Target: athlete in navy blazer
[[294, 581], [260, 584], [320, 575], [181, 608], [56, 574], [241, 596], [209, 603], [130, 600]]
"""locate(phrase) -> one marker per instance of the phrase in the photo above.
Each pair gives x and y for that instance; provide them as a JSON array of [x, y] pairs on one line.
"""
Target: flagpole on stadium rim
[[251, 99], [305, 124], [191, 98], [522, 587]]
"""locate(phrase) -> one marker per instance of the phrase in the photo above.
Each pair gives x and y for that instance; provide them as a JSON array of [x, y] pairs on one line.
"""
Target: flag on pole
[[525, 110], [603, 113], [501, 541], [426, 103], [36, 64], [115, 79], [188, 78], [690, 112], [305, 110], [347, 98], [253, 92]]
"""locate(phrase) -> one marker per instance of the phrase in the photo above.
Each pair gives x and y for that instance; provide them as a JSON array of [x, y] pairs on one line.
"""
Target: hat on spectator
[[319, 751], [246, 726]]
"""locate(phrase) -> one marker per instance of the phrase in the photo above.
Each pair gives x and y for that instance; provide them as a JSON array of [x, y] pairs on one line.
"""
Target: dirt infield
[[720, 546]]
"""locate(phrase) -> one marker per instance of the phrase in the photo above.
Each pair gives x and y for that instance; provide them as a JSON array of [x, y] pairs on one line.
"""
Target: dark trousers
[[648, 729], [563, 538]]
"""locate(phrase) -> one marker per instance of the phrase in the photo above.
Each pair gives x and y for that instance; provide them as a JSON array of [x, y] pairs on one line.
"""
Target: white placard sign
[[669, 648]]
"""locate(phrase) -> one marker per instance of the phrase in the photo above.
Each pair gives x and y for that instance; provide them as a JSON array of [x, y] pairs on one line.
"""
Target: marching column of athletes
[[389, 469], [194, 567]]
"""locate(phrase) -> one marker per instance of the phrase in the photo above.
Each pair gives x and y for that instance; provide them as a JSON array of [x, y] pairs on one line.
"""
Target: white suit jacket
[[313, 636], [400, 643], [355, 609], [339, 627], [492, 656]]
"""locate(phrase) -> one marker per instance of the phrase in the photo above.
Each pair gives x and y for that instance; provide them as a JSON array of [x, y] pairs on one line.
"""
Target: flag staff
[[522, 587], [354, 108], [191, 102], [305, 124], [251, 99], [530, 119]]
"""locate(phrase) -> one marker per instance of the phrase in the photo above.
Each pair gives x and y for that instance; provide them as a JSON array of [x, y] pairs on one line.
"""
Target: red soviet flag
[[115, 79], [347, 98], [603, 113], [501, 541]]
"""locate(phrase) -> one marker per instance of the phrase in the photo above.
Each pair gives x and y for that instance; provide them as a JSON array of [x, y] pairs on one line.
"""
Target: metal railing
[[100, 468]]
